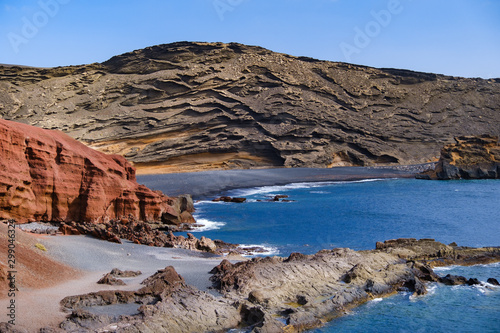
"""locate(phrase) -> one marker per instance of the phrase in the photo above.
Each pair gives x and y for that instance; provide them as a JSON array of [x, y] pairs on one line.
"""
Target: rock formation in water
[[471, 157], [46, 175], [193, 106], [277, 294]]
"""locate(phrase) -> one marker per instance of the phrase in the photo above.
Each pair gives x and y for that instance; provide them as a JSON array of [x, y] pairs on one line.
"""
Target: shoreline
[[203, 184], [95, 257]]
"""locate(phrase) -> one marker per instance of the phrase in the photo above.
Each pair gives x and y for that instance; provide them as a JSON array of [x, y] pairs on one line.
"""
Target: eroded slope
[[193, 106]]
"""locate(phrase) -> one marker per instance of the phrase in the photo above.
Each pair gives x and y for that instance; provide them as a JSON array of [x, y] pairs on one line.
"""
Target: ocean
[[357, 214]]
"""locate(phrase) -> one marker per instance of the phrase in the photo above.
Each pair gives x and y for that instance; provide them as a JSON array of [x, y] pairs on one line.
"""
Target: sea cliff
[[48, 176], [470, 157]]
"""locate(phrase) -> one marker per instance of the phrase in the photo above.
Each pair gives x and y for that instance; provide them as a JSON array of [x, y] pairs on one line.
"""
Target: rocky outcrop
[[165, 304], [436, 254], [471, 157], [110, 280], [124, 274], [229, 199], [276, 294], [139, 233], [194, 106], [304, 291], [48, 176]]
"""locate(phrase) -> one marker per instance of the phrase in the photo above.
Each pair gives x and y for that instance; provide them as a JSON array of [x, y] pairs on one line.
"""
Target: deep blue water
[[443, 309], [358, 214]]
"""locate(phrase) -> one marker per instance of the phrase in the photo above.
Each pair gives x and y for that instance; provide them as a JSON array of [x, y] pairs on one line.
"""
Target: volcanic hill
[[192, 106]]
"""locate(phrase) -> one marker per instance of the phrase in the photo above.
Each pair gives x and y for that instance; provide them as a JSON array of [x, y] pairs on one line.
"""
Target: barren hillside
[[194, 106]]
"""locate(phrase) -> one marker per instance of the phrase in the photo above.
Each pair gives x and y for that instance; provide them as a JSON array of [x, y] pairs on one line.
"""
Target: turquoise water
[[358, 214]]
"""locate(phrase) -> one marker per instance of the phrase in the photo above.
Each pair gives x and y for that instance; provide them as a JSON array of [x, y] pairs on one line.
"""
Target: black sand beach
[[209, 183]]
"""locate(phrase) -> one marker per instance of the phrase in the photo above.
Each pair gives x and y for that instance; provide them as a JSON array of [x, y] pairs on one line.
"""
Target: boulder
[[453, 280], [229, 199], [125, 274], [110, 280], [493, 281]]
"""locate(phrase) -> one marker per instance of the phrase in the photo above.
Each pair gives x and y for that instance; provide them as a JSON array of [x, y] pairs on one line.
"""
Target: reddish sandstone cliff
[[46, 175]]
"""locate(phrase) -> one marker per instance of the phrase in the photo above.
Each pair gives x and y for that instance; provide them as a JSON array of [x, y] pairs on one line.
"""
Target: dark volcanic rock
[[229, 199], [493, 281], [471, 157], [262, 294], [111, 277], [111, 280], [124, 274], [140, 233], [430, 253], [165, 304], [192, 106], [453, 280]]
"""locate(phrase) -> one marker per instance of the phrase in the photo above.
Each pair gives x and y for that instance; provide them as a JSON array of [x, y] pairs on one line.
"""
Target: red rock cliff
[[46, 175]]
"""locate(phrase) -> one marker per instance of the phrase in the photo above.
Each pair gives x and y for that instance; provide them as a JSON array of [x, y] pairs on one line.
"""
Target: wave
[[203, 202], [445, 268], [294, 186], [454, 267], [432, 288], [268, 250], [377, 300], [207, 225]]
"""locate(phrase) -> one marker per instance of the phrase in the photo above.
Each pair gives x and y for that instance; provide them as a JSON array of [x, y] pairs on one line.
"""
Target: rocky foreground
[[274, 294], [195, 106]]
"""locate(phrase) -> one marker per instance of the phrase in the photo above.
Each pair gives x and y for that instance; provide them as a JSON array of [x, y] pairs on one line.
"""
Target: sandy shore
[[39, 307]]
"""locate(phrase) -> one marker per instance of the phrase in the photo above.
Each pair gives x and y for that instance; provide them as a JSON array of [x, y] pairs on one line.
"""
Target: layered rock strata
[[470, 157], [46, 175], [277, 294], [194, 106]]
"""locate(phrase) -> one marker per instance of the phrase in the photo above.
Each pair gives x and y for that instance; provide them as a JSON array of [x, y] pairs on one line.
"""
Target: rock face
[[48, 176], [193, 106], [276, 294], [471, 157], [165, 304]]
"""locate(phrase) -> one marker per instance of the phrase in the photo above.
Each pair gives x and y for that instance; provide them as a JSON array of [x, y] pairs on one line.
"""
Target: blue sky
[[454, 37]]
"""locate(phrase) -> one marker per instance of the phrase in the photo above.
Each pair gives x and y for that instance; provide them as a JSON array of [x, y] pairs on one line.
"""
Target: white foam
[[490, 286], [432, 288], [207, 225], [271, 190], [268, 250], [445, 268], [377, 300], [202, 202]]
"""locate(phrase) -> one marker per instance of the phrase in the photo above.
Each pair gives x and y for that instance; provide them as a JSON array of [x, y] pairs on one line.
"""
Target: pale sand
[[36, 308]]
